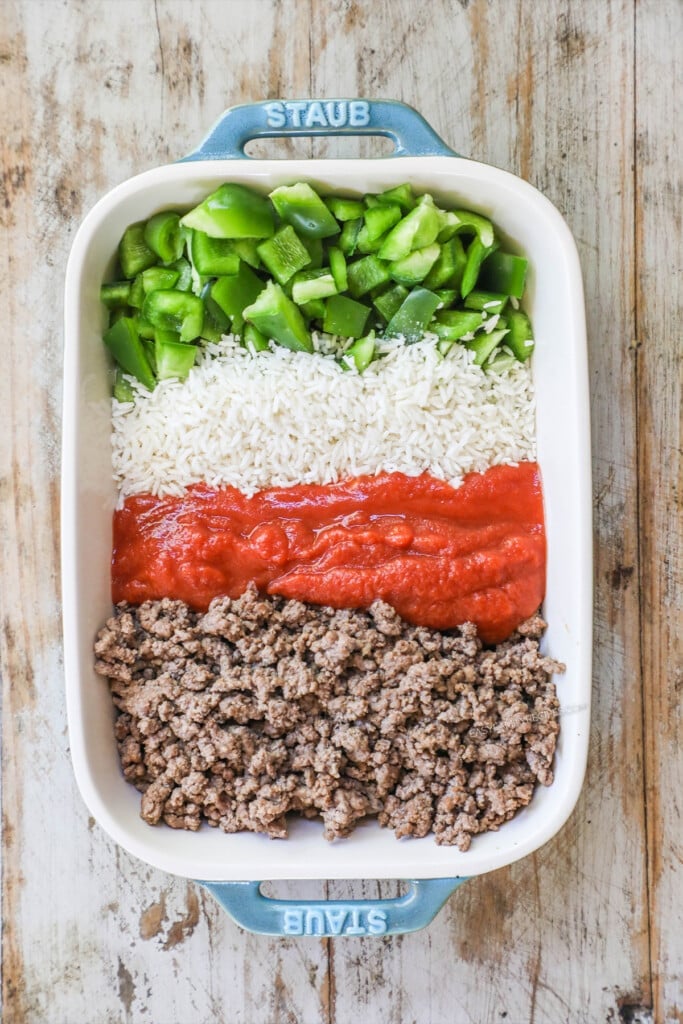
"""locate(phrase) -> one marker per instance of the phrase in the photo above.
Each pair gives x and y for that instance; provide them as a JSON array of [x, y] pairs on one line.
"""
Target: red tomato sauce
[[439, 555]]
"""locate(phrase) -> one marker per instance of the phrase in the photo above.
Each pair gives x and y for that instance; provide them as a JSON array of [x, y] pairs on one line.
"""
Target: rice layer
[[278, 418]]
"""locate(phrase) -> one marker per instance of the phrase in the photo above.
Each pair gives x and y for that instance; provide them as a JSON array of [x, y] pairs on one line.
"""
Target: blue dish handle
[[286, 118], [247, 905]]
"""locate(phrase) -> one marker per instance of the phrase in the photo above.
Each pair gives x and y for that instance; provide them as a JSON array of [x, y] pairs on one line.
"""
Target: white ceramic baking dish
[[554, 300]]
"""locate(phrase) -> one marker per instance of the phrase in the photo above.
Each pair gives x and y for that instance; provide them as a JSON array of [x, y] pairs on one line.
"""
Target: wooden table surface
[[582, 98]]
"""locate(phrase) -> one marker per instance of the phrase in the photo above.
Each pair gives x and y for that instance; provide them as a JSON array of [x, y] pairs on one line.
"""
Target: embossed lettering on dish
[[317, 114]]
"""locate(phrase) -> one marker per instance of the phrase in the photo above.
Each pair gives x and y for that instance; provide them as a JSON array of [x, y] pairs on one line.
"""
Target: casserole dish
[[232, 865]]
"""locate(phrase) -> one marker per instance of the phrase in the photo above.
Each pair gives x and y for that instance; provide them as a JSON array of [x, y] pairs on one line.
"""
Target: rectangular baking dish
[[530, 224]]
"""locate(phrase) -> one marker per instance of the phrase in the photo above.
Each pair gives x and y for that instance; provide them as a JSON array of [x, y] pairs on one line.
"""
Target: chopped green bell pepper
[[413, 316], [476, 254], [173, 358], [389, 301], [253, 339], [361, 353], [303, 208], [123, 341], [338, 267], [116, 293], [473, 223], [484, 344], [520, 339], [213, 256], [277, 317], [232, 293], [416, 230], [449, 267], [345, 317], [312, 284], [284, 254], [232, 211], [156, 278], [164, 237], [344, 209], [365, 274], [401, 194], [490, 302], [414, 267], [176, 311], [134, 253], [123, 391], [503, 272]]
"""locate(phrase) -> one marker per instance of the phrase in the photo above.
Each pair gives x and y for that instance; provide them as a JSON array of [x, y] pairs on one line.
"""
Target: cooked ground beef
[[262, 706]]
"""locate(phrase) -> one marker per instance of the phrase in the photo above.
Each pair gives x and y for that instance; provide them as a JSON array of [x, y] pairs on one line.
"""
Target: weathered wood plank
[[659, 199]]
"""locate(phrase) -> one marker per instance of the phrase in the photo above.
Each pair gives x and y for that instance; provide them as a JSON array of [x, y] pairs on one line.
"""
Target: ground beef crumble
[[263, 706]]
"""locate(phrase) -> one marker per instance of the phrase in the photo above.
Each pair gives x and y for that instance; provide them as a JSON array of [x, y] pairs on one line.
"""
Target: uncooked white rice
[[272, 419]]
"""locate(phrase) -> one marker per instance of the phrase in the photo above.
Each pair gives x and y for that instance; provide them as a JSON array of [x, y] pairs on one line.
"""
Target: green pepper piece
[[361, 353], [379, 219], [348, 240], [448, 226], [164, 237], [446, 295], [303, 208], [401, 194], [416, 230], [176, 311], [338, 267], [414, 267], [365, 244], [314, 248], [413, 316], [345, 317], [314, 309], [501, 361], [284, 254], [173, 358], [490, 302], [231, 294], [503, 272], [449, 267], [156, 278], [134, 253], [365, 274], [232, 211], [117, 313], [389, 301], [484, 344], [144, 327], [253, 339], [214, 327], [115, 293], [123, 390], [277, 317], [344, 209], [247, 250], [476, 254], [521, 338], [184, 282], [452, 324], [312, 284], [473, 223], [216, 315], [212, 256], [123, 341], [148, 346], [136, 295]]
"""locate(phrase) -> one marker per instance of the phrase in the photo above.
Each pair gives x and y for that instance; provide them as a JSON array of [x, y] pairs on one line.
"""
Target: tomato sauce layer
[[439, 555]]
